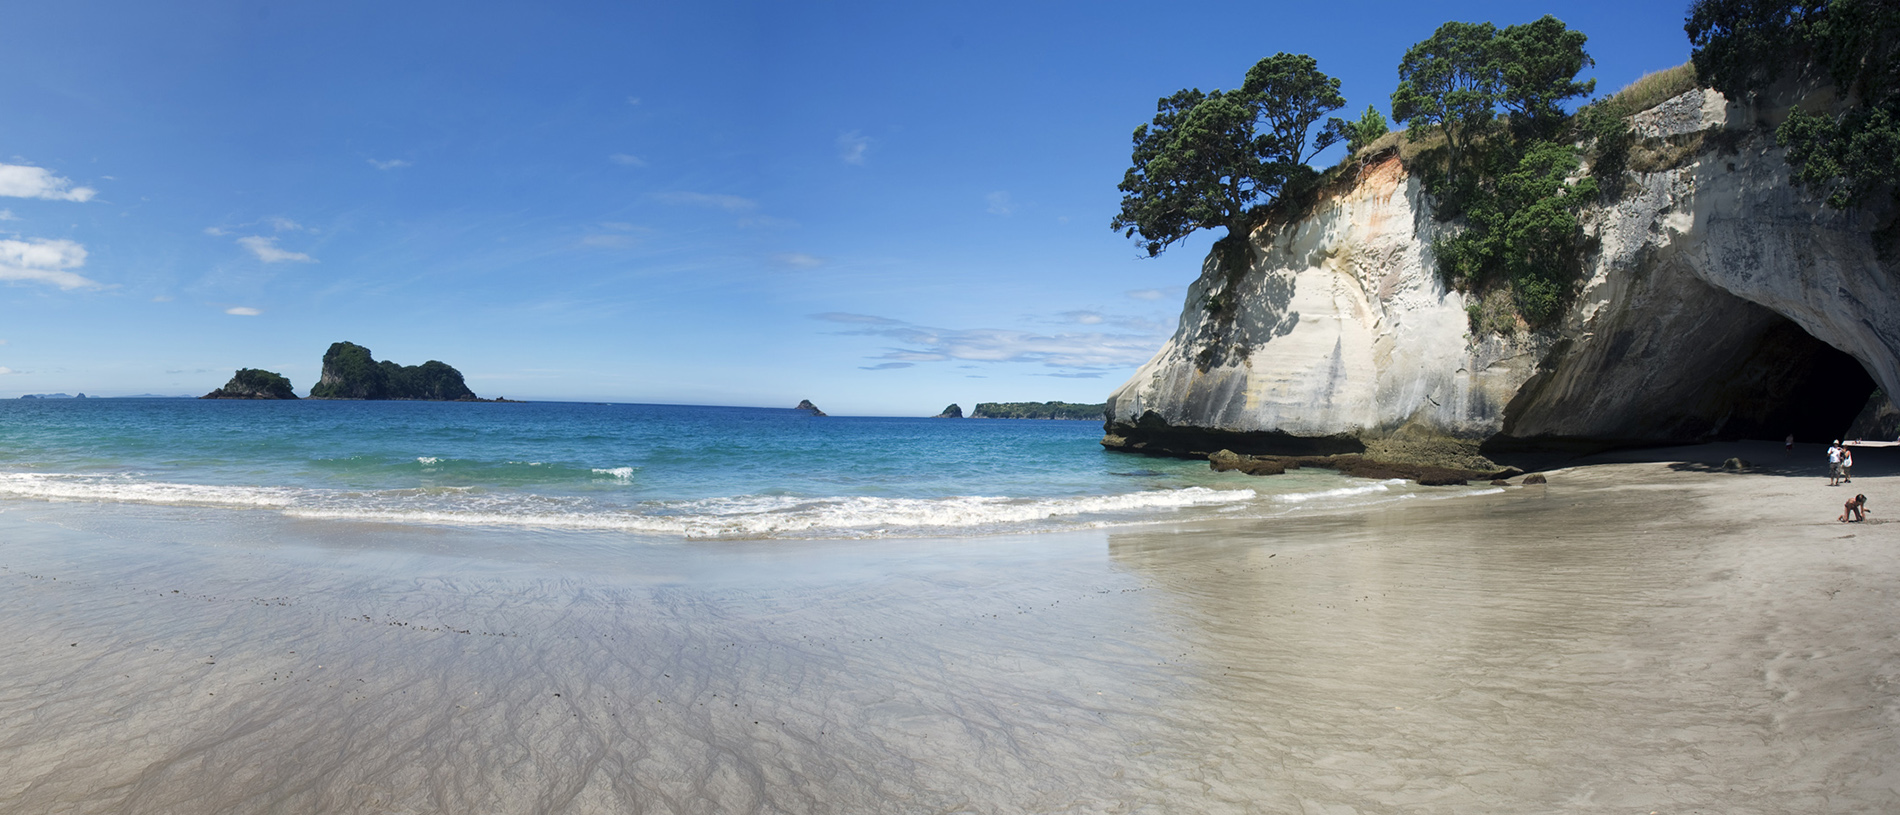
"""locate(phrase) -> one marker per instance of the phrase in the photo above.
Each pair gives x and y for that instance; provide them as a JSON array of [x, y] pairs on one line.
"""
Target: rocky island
[[350, 372], [806, 405], [254, 383], [954, 411]]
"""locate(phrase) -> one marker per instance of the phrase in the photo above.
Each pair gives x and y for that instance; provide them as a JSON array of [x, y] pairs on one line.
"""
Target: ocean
[[653, 473]]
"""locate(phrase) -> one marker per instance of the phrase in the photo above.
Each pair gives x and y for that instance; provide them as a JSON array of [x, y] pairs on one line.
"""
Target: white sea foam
[[1342, 492], [121, 489], [428, 460], [784, 516], [747, 516]]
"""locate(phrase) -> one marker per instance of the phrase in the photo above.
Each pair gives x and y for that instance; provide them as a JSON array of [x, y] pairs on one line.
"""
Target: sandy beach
[[1646, 633]]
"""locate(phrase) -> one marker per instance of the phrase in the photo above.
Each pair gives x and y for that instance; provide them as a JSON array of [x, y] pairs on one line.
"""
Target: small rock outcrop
[[954, 411], [254, 383], [350, 372], [805, 404]]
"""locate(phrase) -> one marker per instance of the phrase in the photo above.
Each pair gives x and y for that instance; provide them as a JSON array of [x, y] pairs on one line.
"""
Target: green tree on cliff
[[1851, 147], [1450, 83], [1210, 159], [1455, 82]]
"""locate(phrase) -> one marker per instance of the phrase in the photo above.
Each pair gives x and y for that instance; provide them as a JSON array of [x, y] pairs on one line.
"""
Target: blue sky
[[881, 207]]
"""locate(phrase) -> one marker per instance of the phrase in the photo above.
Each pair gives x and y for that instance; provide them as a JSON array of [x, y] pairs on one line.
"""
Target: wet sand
[[1633, 637]]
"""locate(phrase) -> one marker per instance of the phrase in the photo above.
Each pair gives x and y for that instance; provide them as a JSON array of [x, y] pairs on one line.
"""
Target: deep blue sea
[[663, 472]]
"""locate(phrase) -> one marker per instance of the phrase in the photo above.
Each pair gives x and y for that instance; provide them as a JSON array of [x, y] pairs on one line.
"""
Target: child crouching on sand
[[1856, 509]]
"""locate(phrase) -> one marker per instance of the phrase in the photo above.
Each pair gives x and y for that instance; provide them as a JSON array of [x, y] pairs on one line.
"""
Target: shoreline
[[1637, 634]]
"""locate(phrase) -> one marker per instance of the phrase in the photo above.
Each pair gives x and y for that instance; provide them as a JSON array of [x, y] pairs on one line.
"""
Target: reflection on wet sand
[[1580, 647]]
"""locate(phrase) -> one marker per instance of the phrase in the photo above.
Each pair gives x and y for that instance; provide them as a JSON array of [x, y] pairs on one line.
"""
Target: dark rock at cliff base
[[254, 383], [1736, 464], [805, 404], [952, 412], [1535, 478], [1227, 460], [1354, 465], [350, 372]]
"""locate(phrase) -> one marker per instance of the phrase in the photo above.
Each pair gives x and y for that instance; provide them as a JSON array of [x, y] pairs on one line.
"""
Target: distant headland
[[1038, 410]]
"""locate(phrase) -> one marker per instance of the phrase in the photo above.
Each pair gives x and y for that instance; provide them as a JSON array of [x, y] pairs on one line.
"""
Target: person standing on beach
[[1847, 466], [1834, 463], [1790, 442]]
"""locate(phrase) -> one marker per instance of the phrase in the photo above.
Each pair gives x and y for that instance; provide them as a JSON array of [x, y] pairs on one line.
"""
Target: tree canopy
[[1209, 159], [1456, 81], [1742, 47]]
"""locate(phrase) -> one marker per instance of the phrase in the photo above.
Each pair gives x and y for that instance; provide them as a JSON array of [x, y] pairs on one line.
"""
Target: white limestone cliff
[[1714, 291]]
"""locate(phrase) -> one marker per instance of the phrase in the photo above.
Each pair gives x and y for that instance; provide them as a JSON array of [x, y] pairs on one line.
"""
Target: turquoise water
[[663, 471]]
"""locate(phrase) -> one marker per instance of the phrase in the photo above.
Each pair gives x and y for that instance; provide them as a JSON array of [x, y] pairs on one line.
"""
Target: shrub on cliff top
[[1742, 47]]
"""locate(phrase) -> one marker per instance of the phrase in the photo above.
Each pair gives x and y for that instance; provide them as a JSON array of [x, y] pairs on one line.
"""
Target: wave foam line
[[763, 517]]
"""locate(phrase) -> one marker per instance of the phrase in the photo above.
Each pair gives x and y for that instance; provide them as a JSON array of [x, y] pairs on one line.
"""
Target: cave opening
[[1791, 382]]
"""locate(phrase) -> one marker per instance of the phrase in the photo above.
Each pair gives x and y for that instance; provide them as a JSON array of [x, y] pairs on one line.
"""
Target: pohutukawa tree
[[1455, 82], [1217, 159]]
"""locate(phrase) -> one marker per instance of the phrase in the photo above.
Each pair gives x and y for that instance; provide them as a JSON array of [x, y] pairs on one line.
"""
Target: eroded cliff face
[[1721, 301]]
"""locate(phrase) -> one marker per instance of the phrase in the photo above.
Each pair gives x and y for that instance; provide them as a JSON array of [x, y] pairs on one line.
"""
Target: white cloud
[[633, 100], [7, 215], [5, 371], [44, 261], [886, 366], [1067, 350], [999, 203], [392, 164], [626, 160], [852, 147], [215, 231], [609, 241], [798, 260], [286, 225], [729, 203], [1145, 294], [243, 311], [21, 181], [267, 251], [163, 298]]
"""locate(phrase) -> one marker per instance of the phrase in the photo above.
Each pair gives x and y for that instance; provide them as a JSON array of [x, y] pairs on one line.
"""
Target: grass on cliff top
[[1654, 88]]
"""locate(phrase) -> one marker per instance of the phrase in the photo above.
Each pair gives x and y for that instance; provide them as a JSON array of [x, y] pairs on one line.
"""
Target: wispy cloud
[[286, 225], [852, 147], [886, 366], [1000, 203], [44, 261], [7, 215], [609, 240], [627, 160], [243, 311], [729, 203], [215, 231], [392, 164], [267, 251], [5, 371], [633, 100], [23, 181], [798, 260], [1145, 294], [1083, 317], [1064, 350]]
